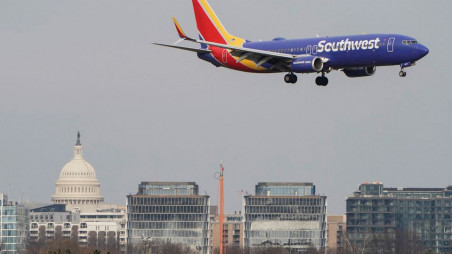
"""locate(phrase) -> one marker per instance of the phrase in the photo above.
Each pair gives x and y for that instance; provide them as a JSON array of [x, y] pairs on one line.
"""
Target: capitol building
[[78, 210], [77, 184]]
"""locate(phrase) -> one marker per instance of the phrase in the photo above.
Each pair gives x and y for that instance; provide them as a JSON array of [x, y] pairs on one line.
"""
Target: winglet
[[179, 30]]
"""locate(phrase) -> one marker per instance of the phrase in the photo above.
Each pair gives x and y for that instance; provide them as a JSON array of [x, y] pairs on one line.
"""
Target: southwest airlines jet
[[355, 55]]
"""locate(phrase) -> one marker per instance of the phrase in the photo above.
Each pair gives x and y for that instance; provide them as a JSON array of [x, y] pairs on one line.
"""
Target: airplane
[[355, 55]]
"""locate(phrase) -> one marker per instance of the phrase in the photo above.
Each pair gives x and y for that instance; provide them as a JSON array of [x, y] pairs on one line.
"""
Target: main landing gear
[[402, 73], [321, 80], [290, 78]]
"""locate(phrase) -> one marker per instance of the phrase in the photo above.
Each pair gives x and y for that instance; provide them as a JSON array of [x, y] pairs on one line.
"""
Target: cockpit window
[[409, 42]]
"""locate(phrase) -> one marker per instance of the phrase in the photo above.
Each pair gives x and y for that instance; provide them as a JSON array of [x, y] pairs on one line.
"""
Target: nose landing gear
[[402, 72], [290, 78]]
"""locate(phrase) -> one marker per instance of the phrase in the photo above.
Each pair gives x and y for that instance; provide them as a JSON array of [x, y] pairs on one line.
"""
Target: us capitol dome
[[77, 184]]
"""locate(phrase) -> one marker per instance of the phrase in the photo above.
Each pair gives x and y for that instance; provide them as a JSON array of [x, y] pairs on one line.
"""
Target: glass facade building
[[398, 213], [169, 212], [287, 215], [14, 226]]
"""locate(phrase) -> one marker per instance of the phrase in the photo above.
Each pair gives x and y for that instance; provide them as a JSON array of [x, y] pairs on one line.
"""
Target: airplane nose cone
[[423, 50]]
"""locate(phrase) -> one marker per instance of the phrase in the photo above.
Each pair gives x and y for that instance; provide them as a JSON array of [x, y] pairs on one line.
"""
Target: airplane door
[[391, 44], [225, 56]]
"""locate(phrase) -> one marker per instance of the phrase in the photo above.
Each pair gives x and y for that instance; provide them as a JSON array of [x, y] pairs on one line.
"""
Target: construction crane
[[221, 208]]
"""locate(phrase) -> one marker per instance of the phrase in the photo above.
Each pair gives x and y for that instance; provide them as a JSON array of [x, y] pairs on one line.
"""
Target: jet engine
[[360, 71], [306, 64]]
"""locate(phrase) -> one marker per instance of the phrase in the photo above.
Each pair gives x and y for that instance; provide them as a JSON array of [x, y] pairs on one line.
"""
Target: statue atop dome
[[78, 139]]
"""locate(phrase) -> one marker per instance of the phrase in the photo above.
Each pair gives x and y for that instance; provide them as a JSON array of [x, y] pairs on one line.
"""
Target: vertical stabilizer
[[210, 27]]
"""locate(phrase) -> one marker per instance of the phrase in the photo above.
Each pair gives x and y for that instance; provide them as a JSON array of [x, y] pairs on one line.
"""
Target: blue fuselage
[[352, 50]]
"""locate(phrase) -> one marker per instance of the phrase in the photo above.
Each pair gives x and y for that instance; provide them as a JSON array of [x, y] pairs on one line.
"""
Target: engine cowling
[[306, 64], [360, 71]]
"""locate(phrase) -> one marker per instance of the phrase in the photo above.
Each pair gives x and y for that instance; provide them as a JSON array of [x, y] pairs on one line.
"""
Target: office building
[[13, 226], [168, 212], [336, 231], [233, 231], [287, 215], [400, 218]]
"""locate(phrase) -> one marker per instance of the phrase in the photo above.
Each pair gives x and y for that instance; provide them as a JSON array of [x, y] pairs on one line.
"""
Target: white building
[[77, 184], [97, 229], [79, 210]]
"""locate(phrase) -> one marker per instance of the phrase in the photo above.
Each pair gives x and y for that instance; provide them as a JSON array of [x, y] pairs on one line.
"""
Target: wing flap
[[246, 50]]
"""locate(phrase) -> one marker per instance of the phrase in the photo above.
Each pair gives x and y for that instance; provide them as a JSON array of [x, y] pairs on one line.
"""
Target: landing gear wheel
[[402, 74], [318, 81], [321, 81], [294, 78], [290, 78], [287, 78]]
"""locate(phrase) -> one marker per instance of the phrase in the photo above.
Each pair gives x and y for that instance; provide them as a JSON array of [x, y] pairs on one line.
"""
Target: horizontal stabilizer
[[184, 48]]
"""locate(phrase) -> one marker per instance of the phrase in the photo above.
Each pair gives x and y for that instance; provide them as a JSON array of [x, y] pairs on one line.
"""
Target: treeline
[[399, 242], [266, 250], [67, 246]]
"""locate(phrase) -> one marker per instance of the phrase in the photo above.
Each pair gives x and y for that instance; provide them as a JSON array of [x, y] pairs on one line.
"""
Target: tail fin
[[210, 27]]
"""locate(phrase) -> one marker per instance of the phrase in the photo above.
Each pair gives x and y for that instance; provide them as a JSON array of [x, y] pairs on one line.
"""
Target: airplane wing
[[279, 61]]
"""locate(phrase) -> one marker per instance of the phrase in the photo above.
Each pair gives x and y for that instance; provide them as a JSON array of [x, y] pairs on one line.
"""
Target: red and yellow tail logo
[[210, 27]]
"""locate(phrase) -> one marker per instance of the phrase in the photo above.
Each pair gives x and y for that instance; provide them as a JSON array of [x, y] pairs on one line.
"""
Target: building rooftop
[[168, 183], [285, 184]]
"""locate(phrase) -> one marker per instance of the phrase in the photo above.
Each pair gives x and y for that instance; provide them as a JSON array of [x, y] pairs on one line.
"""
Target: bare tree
[[41, 234], [101, 240], [92, 239], [58, 232], [393, 242], [64, 246], [74, 233], [112, 242]]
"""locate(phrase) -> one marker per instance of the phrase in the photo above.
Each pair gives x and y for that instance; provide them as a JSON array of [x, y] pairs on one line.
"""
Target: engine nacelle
[[306, 64], [360, 71]]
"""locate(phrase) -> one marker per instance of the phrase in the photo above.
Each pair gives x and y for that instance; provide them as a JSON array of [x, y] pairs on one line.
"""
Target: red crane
[[221, 208]]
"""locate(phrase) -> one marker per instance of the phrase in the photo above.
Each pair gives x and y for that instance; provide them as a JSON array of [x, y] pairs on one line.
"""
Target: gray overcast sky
[[149, 113]]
